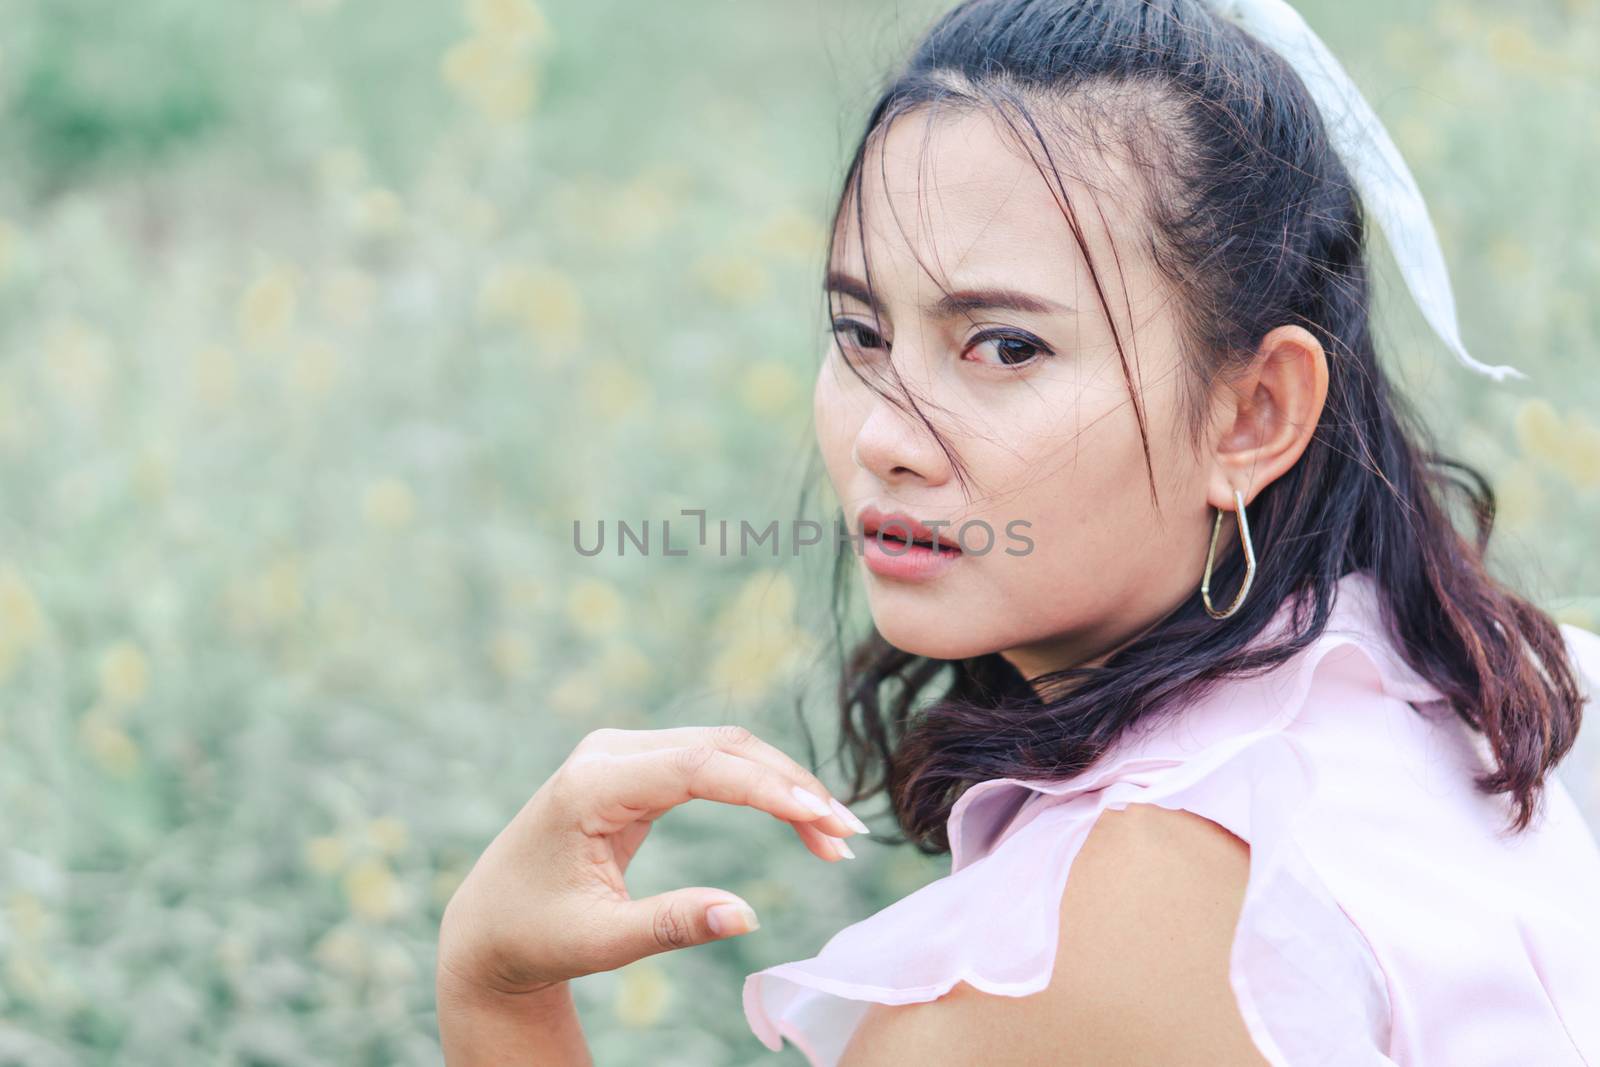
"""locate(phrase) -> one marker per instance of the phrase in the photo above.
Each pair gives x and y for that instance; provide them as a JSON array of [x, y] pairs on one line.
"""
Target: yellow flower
[[342, 950], [766, 895], [642, 994], [268, 307], [594, 606], [272, 598], [21, 620], [1418, 138], [612, 392], [338, 620], [688, 435], [479, 216], [793, 234], [342, 168], [27, 914], [516, 21], [215, 375], [493, 75], [379, 211], [325, 853], [110, 747], [506, 291], [749, 664], [1510, 257], [392, 966], [576, 695], [389, 833], [1511, 45], [523, 593], [79, 360], [511, 653], [639, 211], [493, 70], [1571, 446], [152, 473], [1457, 19], [1540, 431], [1577, 615], [733, 277], [1581, 462], [28, 976], [234, 953], [757, 637], [314, 368], [371, 889], [9, 243], [17, 421], [770, 388], [542, 300], [124, 675], [625, 666], [765, 601], [1519, 499], [348, 295], [1403, 44], [388, 503]]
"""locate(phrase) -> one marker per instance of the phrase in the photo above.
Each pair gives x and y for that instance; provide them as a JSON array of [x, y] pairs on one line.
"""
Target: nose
[[897, 447]]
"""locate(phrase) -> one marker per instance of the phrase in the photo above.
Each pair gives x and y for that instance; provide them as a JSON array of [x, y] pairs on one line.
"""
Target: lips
[[896, 526]]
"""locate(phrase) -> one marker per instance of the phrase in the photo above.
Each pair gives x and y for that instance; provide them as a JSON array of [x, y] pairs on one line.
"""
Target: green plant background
[[321, 320]]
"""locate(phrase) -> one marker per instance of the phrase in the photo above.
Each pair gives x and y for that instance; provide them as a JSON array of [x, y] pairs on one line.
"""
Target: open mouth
[[899, 548], [897, 543]]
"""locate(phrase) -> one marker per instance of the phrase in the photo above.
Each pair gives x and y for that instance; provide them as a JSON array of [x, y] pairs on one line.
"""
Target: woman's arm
[[1141, 973], [481, 1028]]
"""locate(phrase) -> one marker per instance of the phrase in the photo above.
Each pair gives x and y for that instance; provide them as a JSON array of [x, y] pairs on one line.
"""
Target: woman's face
[[1024, 383]]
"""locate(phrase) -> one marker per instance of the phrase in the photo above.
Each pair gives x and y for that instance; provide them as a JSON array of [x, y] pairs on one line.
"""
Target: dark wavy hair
[[1254, 220]]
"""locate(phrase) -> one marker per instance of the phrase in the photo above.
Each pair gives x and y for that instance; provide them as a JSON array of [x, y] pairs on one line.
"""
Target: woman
[[1313, 821]]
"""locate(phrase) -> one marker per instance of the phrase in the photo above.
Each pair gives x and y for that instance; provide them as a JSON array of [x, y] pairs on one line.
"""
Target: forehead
[[954, 192]]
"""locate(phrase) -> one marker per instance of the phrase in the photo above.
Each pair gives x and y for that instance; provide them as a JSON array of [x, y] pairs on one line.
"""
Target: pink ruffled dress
[[1387, 920]]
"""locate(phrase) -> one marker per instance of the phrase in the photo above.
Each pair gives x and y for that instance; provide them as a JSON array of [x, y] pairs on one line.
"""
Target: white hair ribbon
[[1387, 188]]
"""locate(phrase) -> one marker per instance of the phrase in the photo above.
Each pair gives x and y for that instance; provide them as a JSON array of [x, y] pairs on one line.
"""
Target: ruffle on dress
[[1308, 983]]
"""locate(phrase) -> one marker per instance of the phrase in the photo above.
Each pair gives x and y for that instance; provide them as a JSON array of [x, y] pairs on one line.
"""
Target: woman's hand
[[546, 901]]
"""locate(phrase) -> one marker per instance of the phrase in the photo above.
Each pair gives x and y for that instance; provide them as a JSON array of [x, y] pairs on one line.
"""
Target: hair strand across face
[[1254, 222]]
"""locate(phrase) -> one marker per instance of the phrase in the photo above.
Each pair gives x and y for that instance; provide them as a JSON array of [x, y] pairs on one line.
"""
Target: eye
[[857, 335], [1009, 349]]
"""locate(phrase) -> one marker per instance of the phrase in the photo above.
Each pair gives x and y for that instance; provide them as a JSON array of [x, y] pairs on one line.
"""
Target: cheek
[[1082, 484], [836, 424]]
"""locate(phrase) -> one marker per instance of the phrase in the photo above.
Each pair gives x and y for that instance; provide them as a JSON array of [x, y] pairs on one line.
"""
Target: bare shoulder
[[1141, 974]]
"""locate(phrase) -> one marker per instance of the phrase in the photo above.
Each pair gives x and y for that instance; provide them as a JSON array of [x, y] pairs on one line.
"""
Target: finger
[[737, 740], [611, 791], [823, 845], [845, 821], [676, 919]]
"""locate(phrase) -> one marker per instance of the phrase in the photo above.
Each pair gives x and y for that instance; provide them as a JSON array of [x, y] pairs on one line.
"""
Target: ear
[[1268, 415]]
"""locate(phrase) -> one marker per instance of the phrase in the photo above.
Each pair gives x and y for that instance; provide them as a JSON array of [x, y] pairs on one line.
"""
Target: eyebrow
[[959, 302]]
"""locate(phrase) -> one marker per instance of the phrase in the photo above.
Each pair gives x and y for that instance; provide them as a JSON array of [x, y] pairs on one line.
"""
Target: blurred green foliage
[[320, 322], [105, 88]]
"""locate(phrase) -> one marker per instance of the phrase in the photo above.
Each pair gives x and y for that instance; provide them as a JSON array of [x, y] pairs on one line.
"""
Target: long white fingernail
[[810, 800], [849, 816], [842, 848], [726, 920]]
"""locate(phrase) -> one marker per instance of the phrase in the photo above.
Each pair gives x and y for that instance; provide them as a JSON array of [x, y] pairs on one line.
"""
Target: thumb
[[682, 918]]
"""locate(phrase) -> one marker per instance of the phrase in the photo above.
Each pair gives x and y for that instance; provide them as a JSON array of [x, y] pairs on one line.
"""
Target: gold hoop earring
[[1249, 560]]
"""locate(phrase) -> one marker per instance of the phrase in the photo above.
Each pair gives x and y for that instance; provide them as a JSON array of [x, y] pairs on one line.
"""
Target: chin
[[945, 638]]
